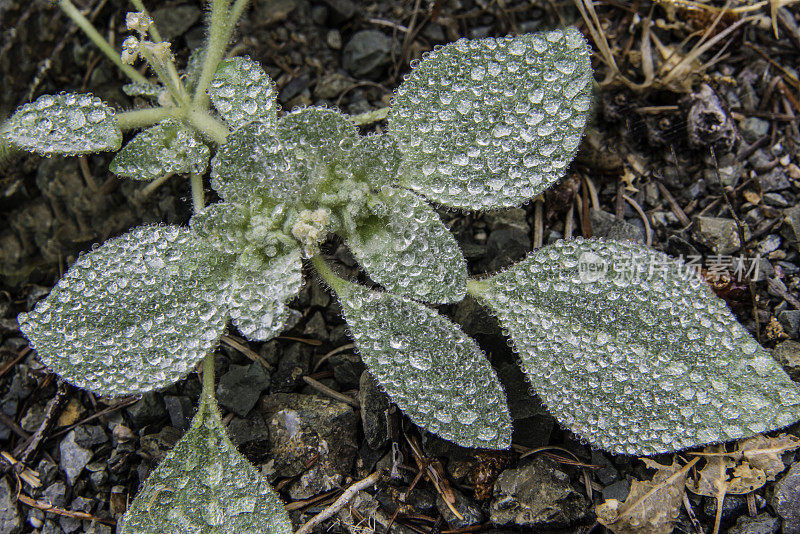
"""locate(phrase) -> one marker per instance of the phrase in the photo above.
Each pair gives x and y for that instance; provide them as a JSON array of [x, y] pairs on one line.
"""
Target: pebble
[[10, 518], [618, 490], [786, 500], [334, 39], [787, 353], [775, 199], [775, 180], [173, 21], [240, 388], [347, 369], [719, 235], [761, 524], [753, 129], [537, 494], [180, 409], [73, 457], [471, 513], [791, 225], [148, 410], [367, 54], [375, 407], [294, 363]]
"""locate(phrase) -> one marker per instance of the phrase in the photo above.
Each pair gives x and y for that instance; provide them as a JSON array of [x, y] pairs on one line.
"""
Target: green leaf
[[166, 148], [433, 371], [133, 315], [67, 124], [242, 92], [259, 289], [407, 249], [491, 123], [294, 161], [148, 90], [632, 353], [205, 486], [375, 159]]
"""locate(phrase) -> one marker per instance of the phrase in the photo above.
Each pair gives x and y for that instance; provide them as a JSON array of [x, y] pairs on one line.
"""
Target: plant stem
[[161, 62], [198, 200], [218, 35], [153, 30], [370, 116], [72, 12], [236, 12], [208, 379], [141, 118], [339, 285], [208, 126]]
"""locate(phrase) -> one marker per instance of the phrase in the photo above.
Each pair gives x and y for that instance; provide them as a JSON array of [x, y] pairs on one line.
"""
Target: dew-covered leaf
[[490, 123], [375, 159], [133, 315], [294, 161], [433, 371], [67, 124], [634, 354], [166, 148], [145, 89], [259, 289], [407, 249], [242, 92], [203, 486], [652, 506]]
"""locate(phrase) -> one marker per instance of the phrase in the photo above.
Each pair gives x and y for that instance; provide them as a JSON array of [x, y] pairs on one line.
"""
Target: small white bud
[[138, 22], [130, 50]]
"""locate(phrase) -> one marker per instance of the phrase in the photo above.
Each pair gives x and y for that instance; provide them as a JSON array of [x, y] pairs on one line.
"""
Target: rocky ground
[[645, 172]]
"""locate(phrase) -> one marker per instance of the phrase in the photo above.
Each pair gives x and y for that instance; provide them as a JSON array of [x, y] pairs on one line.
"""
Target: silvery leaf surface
[[407, 249], [166, 148], [433, 371], [149, 90], [205, 486], [259, 289], [67, 124], [133, 315], [375, 159], [635, 354], [308, 148], [242, 92], [491, 123]]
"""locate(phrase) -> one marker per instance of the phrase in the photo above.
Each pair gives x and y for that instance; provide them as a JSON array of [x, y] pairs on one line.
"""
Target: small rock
[[271, 11], [367, 54], [761, 161], [148, 410], [761, 524], [180, 410], [347, 369], [341, 10], [374, 411], [788, 355], [174, 21], [294, 363], [319, 14], [601, 221], [537, 494], [618, 490], [315, 328], [775, 199], [10, 518], [786, 500], [305, 429], [775, 180], [55, 494], [790, 321], [791, 226], [506, 246], [469, 510], [240, 388], [88, 436], [720, 235], [732, 507], [73, 457], [708, 123], [334, 39], [753, 129], [292, 89], [607, 474]]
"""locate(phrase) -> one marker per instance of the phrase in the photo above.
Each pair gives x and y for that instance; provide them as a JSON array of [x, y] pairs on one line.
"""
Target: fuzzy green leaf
[[166, 148], [433, 371], [67, 123], [407, 249], [133, 315], [375, 159], [205, 486], [242, 92], [290, 162], [491, 123], [259, 290], [145, 89], [633, 354]]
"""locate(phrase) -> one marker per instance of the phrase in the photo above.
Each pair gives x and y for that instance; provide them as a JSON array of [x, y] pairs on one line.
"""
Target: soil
[[686, 165]]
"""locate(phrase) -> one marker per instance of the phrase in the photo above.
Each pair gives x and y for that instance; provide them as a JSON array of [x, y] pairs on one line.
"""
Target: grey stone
[[315, 327], [367, 54], [775, 180], [307, 429], [537, 494], [720, 235], [55, 494], [761, 161], [625, 231], [753, 129], [506, 246], [331, 86], [775, 199], [294, 88], [761, 524], [240, 388], [601, 222], [174, 21], [786, 500], [10, 518], [469, 510], [293, 364], [88, 436], [148, 410], [244, 432], [341, 10], [790, 321], [334, 39], [788, 355], [180, 409], [732, 507], [73, 457], [607, 474], [272, 11], [618, 490], [347, 369], [474, 318], [375, 406], [791, 226]]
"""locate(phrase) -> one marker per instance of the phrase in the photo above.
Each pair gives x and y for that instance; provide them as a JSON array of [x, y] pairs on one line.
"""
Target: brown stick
[[339, 503]]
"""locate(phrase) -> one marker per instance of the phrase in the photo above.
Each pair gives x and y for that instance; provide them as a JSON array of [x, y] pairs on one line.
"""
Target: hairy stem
[[153, 30], [198, 199], [370, 116], [72, 12], [218, 35], [208, 379], [336, 283], [208, 126], [162, 63], [236, 12], [141, 118]]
